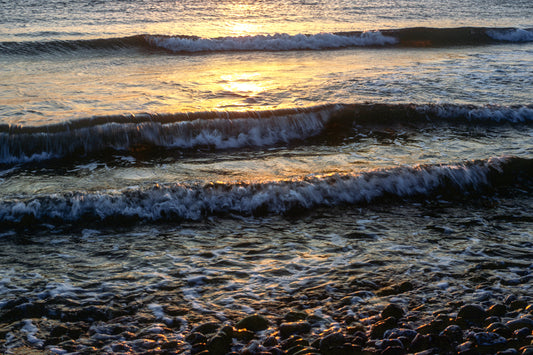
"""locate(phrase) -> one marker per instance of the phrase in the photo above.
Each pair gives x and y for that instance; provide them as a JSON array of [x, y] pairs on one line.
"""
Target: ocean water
[[183, 162]]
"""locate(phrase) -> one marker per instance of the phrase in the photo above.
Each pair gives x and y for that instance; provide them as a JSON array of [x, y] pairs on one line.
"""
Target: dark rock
[[387, 291], [500, 329], [206, 328], [497, 310], [276, 351], [393, 350], [295, 349], [405, 286], [465, 347], [91, 314], [485, 341], [58, 331], [291, 328], [199, 349], [355, 327], [254, 323], [398, 333], [454, 333], [295, 316], [305, 351], [378, 329], [509, 351], [390, 343], [331, 341], [314, 319], [270, 341], [520, 323], [489, 320], [392, 310], [293, 341], [428, 352], [344, 349], [196, 338], [521, 333], [359, 341], [472, 313], [425, 329], [526, 350], [395, 289], [518, 304], [176, 311], [421, 343], [219, 344], [244, 335], [228, 330], [25, 310]]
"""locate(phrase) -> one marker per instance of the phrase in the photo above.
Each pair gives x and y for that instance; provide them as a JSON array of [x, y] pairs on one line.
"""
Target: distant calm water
[[221, 156]]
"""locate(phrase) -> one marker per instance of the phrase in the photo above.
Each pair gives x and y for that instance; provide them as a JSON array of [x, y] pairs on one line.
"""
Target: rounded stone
[[331, 341], [378, 329], [206, 328], [254, 323], [392, 310], [196, 338], [497, 310], [454, 333], [520, 323], [472, 312], [501, 329], [219, 344], [295, 316], [291, 328], [518, 304]]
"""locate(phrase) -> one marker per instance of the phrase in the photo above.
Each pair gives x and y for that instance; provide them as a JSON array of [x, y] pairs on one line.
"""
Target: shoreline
[[319, 322]]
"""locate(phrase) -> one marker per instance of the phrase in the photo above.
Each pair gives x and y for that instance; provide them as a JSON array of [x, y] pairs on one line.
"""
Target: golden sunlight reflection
[[243, 28], [242, 83], [243, 24]]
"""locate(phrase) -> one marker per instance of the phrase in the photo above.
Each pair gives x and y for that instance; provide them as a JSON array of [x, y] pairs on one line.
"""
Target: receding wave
[[196, 201], [404, 37], [228, 130]]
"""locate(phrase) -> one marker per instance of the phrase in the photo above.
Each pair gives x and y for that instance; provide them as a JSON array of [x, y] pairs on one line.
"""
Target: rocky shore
[[487, 327]]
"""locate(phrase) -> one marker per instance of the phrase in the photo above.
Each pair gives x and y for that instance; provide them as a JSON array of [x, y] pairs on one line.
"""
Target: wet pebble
[[519, 323], [254, 323], [378, 329], [472, 312], [454, 333], [292, 328], [392, 310], [497, 310]]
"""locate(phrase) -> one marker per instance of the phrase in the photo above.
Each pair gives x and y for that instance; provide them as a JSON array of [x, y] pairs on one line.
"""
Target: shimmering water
[[181, 162]]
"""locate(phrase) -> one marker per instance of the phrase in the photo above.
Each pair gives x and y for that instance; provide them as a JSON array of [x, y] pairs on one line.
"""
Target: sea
[[171, 163]]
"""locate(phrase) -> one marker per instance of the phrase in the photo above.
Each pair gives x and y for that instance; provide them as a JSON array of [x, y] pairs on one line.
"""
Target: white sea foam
[[196, 201], [31, 330], [277, 42], [220, 130], [512, 35], [523, 114], [220, 133]]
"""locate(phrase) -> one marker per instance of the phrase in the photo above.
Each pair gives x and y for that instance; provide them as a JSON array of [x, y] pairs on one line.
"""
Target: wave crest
[[277, 42], [403, 37], [194, 202], [229, 130]]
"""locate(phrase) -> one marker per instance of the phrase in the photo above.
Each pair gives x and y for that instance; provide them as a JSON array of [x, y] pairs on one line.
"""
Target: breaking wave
[[229, 130], [196, 201], [404, 37]]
